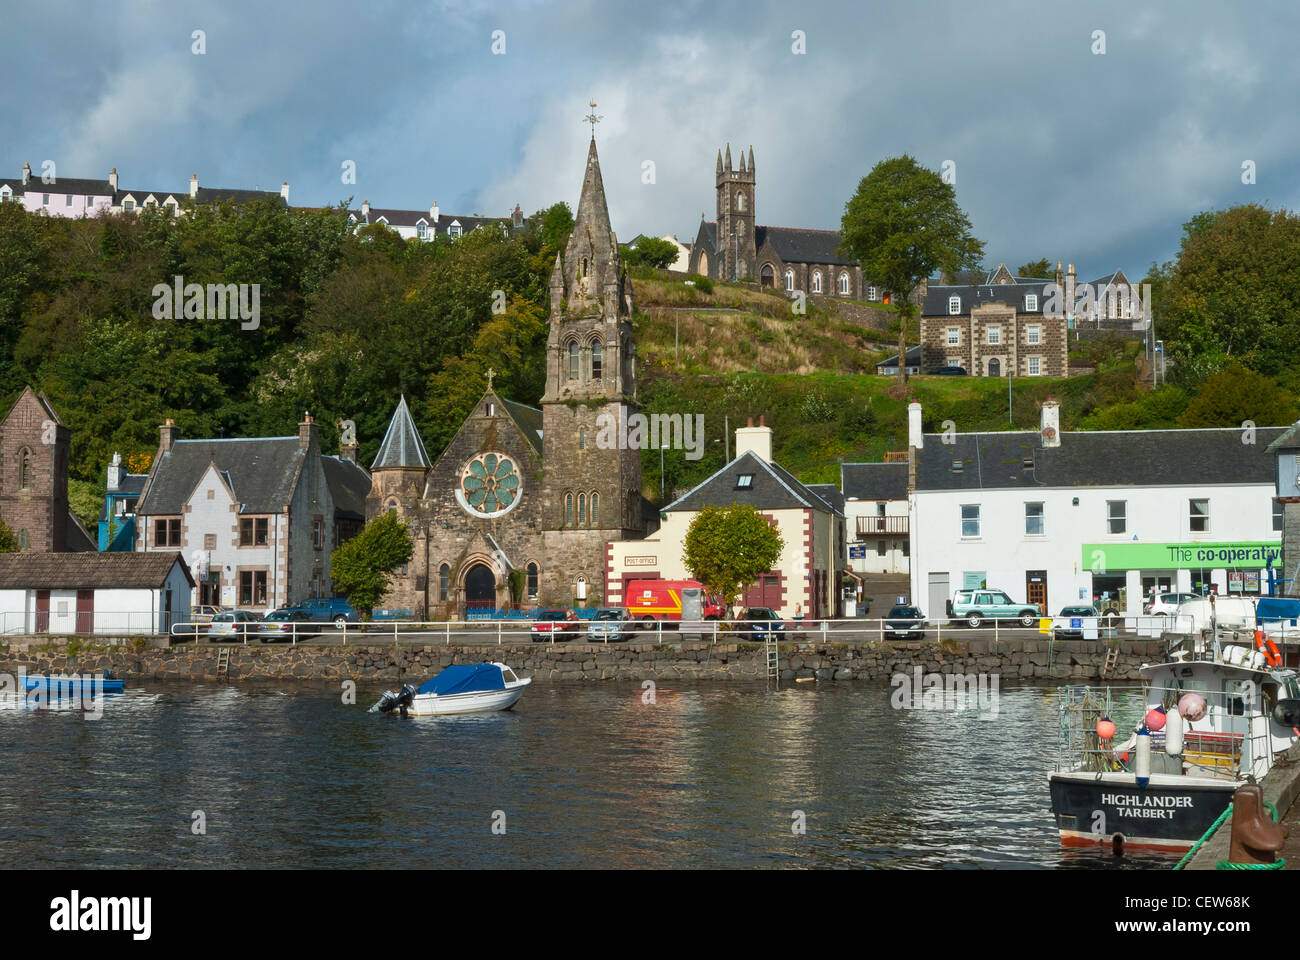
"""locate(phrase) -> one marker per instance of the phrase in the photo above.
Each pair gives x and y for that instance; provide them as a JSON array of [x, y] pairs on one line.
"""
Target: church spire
[[719, 161], [593, 214], [728, 156], [751, 158]]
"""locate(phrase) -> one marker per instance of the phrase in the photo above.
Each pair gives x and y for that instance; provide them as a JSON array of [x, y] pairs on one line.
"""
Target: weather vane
[[591, 118]]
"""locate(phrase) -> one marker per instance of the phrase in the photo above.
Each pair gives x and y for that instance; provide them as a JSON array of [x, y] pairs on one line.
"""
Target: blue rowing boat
[[73, 683]]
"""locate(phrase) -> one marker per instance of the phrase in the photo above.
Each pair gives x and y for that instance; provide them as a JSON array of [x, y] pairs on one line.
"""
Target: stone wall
[[1078, 661]]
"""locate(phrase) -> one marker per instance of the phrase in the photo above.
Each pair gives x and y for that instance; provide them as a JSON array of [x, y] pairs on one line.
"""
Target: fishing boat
[[1217, 713], [73, 683], [467, 688]]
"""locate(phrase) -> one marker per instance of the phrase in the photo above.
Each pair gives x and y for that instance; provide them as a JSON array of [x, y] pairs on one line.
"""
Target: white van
[[1229, 613]]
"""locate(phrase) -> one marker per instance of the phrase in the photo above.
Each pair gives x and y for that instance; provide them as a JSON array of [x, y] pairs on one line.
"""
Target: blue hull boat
[[75, 683]]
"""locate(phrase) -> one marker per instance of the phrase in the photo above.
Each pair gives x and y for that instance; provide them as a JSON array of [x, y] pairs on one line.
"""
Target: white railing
[[853, 630], [86, 623]]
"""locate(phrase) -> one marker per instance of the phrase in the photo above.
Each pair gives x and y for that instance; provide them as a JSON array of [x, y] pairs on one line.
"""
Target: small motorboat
[[465, 688], [74, 683]]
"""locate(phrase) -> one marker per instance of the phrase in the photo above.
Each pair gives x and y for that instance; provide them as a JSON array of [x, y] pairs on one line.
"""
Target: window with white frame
[[844, 284], [1116, 516], [871, 293], [1031, 302], [1034, 519], [421, 230], [817, 281], [1277, 514], [970, 520], [1034, 366], [789, 279], [67, 199], [45, 199], [994, 336], [954, 305], [954, 361], [954, 336], [1033, 334], [1198, 516]]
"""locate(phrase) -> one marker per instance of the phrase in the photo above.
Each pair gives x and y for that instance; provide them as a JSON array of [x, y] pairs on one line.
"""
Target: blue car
[[334, 610], [764, 623]]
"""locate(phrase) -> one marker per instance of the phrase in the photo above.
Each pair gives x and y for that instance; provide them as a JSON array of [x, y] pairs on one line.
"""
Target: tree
[[728, 547], [1235, 395], [361, 568], [1036, 269], [8, 542], [651, 252], [903, 224]]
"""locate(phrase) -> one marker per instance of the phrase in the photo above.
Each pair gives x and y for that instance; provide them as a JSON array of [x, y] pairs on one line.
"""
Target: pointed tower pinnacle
[[402, 446], [728, 156], [719, 161], [742, 161], [751, 158]]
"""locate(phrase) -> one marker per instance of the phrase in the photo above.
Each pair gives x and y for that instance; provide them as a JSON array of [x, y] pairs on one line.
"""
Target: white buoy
[[1174, 734], [1142, 757]]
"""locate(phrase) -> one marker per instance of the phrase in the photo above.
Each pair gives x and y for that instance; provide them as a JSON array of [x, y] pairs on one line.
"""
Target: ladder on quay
[[1112, 658], [773, 661], [223, 663]]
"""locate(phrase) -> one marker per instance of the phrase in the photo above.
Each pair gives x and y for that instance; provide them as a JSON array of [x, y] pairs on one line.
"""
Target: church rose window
[[490, 484]]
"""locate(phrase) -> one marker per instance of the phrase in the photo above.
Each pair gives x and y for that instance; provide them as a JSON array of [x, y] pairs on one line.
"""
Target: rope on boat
[[1278, 864]]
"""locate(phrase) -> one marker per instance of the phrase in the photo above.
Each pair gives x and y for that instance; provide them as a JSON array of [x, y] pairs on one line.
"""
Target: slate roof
[[773, 488], [792, 244], [830, 494], [412, 218], [1010, 294], [528, 419], [401, 446], [63, 185], [214, 194], [1095, 459], [88, 571], [913, 358], [260, 471], [349, 484], [874, 481], [1288, 439]]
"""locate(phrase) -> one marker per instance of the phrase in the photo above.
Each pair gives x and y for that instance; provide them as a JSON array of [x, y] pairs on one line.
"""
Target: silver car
[[611, 625], [236, 623]]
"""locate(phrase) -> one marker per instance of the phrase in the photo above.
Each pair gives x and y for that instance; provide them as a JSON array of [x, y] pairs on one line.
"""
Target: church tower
[[738, 250], [592, 483]]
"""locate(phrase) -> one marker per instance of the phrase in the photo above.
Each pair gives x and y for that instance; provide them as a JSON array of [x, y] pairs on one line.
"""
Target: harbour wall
[[1076, 661]]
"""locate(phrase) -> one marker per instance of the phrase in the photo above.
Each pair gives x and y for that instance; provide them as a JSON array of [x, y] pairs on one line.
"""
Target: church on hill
[[734, 247], [522, 503]]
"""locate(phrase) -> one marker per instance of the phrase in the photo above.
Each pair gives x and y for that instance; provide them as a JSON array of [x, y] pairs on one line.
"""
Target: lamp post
[[661, 472]]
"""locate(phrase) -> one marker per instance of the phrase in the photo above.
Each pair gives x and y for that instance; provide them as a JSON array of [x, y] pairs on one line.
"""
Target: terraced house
[[256, 519]]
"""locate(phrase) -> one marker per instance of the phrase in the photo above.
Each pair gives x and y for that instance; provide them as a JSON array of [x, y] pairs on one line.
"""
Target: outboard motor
[[391, 701]]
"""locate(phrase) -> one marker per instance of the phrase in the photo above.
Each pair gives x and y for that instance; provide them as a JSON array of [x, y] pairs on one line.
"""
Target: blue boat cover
[[465, 679]]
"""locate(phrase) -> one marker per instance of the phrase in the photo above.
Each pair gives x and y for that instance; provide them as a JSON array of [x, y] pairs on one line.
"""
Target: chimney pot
[[168, 434], [915, 438], [750, 423]]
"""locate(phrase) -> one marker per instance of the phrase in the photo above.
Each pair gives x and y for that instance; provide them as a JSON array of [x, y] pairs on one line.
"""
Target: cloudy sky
[[1059, 151]]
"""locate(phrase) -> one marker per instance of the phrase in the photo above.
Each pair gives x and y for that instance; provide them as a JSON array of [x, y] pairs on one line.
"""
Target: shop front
[[1124, 573]]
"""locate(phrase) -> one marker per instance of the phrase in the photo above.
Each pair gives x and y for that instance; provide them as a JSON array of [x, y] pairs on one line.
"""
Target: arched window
[[24, 469], [582, 508], [532, 581], [582, 438], [392, 506], [596, 357], [22, 539], [740, 202], [789, 279], [767, 276], [573, 360], [568, 508], [817, 281], [844, 284], [595, 509], [444, 582]]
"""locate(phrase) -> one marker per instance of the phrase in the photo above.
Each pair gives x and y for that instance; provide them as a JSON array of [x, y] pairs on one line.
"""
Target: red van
[[662, 600]]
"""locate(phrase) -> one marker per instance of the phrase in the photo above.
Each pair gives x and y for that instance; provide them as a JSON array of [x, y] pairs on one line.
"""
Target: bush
[[702, 284]]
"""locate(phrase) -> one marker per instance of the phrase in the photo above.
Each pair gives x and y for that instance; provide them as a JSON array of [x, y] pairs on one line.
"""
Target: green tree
[[554, 224], [361, 568], [8, 542], [1036, 269], [651, 252], [903, 224], [1235, 395], [728, 547]]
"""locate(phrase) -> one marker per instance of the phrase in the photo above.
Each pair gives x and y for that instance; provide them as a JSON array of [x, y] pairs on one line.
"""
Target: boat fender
[[1174, 734], [1142, 760], [1105, 728], [1155, 719], [1192, 707]]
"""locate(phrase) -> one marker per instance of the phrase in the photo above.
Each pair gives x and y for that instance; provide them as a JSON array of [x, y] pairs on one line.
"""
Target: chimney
[[755, 439], [915, 438], [517, 218], [115, 473], [348, 451], [27, 173], [112, 179], [284, 191], [365, 209], [194, 186], [1051, 423], [1060, 277], [307, 433], [168, 434], [433, 212]]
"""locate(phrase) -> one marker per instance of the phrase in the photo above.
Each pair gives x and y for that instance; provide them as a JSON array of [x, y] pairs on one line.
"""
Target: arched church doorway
[[768, 276], [480, 588], [995, 368]]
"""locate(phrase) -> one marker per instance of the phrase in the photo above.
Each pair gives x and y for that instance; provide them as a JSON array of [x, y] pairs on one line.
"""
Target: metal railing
[[86, 622], [825, 630]]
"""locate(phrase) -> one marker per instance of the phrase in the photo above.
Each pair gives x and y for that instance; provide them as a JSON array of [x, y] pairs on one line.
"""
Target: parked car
[[235, 623], [764, 623], [1166, 603], [976, 606], [286, 625], [198, 620], [950, 371], [556, 625], [905, 622], [611, 625], [334, 610], [1064, 626]]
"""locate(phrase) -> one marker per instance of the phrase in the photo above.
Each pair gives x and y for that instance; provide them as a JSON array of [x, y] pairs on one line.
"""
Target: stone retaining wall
[[1075, 660]]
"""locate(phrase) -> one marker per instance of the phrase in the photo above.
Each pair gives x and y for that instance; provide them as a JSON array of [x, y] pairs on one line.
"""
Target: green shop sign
[[1099, 557]]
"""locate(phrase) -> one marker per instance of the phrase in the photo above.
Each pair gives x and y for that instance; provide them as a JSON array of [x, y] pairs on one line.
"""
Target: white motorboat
[[464, 688]]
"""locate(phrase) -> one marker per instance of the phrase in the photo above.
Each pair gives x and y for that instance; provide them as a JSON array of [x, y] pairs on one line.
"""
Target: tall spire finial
[[591, 118]]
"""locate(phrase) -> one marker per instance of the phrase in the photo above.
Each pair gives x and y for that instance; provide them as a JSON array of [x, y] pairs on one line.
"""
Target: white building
[[428, 225], [876, 509], [1058, 518], [93, 593], [808, 517]]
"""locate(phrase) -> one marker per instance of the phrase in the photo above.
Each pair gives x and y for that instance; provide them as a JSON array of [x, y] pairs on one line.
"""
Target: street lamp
[[661, 472]]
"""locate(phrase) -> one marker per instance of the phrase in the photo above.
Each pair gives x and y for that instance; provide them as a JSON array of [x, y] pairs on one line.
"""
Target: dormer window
[[128, 205], [421, 230], [455, 230], [954, 305], [745, 481], [1031, 302]]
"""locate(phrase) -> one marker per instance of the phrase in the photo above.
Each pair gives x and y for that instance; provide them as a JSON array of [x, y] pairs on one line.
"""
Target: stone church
[[733, 247], [522, 503]]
